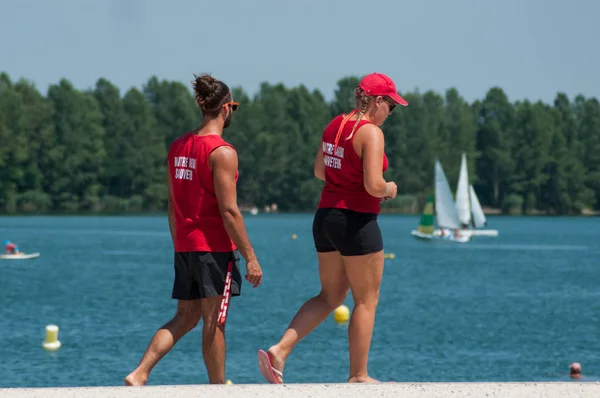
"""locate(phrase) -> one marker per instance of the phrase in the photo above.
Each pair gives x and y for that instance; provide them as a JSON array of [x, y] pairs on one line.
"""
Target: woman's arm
[[320, 164], [371, 143]]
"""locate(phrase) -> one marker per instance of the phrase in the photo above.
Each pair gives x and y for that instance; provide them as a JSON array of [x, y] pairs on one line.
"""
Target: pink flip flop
[[266, 368]]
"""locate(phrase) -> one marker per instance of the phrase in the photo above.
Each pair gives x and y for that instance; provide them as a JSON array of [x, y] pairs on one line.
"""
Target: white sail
[[478, 216], [462, 193], [444, 204]]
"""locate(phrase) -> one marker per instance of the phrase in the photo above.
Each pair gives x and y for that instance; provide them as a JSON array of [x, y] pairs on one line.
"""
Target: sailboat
[[445, 213], [467, 204]]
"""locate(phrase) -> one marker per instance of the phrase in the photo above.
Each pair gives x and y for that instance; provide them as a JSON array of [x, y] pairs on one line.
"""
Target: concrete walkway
[[405, 390]]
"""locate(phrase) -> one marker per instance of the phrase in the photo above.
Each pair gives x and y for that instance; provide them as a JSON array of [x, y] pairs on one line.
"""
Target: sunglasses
[[234, 105], [391, 104]]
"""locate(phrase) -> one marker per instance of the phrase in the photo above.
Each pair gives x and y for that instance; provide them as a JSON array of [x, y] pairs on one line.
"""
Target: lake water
[[519, 307]]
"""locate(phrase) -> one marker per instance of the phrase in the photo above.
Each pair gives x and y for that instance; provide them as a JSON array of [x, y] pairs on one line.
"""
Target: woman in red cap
[[351, 160]]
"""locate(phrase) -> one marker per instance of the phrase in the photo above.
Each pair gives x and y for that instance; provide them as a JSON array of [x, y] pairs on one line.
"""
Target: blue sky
[[530, 48]]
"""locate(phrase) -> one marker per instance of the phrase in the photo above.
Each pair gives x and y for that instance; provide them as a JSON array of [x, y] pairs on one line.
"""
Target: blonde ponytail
[[363, 102]]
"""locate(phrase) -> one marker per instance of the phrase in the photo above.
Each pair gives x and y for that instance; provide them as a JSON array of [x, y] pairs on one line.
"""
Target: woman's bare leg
[[364, 275], [334, 289]]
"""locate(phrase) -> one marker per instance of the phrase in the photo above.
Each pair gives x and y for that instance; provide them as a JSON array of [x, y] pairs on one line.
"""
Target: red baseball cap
[[380, 84]]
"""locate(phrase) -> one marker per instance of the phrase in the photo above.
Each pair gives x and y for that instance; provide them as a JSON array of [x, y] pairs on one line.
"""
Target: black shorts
[[201, 275], [349, 232]]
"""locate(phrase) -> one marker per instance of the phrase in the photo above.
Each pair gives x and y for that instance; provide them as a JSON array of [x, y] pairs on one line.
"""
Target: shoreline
[[246, 213], [404, 389]]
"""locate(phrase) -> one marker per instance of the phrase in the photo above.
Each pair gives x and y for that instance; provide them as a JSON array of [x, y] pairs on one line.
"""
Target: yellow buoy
[[294, 236], [229, 382], [391, 256], [51, 343], [341, 314]]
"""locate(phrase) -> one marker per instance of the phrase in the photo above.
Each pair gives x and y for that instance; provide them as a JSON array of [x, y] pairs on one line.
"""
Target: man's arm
[[170, 209], [224, 165]]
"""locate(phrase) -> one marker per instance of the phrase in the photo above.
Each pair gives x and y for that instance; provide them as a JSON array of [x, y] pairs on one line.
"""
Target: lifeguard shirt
[[344, 179], [198, 221]]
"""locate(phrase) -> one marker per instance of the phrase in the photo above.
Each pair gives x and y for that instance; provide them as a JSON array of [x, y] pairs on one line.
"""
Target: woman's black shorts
[[349, 232]]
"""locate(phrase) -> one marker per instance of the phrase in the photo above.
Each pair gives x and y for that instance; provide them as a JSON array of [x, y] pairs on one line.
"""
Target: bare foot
[[134, 380], [276, 356], [362, 379]]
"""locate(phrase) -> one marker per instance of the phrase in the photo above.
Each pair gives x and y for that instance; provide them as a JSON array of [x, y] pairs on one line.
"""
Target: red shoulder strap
[[339, 132]]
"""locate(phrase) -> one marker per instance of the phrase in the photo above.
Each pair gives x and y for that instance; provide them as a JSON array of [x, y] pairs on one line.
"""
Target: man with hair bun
[[208, 233]]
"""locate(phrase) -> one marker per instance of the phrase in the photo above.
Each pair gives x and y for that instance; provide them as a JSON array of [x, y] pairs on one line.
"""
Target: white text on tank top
[[332, 160], [183, 167]]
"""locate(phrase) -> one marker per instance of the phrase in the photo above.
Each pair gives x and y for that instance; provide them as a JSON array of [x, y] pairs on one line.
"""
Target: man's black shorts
[[349, 232], [200, 275]]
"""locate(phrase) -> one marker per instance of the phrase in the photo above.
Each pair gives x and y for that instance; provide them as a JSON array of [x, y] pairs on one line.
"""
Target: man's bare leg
[[187, 317], [213, 341]]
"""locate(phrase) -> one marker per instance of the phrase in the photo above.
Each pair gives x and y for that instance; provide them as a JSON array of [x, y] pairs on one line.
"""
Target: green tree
[[496, 122], [98, 151], [79, 156]]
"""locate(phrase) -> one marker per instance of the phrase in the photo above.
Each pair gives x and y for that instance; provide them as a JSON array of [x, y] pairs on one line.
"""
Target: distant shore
[[490, 212]]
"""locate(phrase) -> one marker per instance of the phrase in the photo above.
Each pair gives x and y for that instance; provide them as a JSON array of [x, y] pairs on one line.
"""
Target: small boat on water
[[468, 207], [440, 207], [20, 256]]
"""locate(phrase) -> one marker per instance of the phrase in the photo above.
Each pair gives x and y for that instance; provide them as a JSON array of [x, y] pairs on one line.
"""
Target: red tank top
[[344, 180], [199, 226]]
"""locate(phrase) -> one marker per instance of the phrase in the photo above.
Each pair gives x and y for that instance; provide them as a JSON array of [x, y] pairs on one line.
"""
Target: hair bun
[[205, 85], [209, 92]]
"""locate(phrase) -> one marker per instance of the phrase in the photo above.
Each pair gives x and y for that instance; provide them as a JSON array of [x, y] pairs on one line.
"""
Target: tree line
[[102, 151]]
